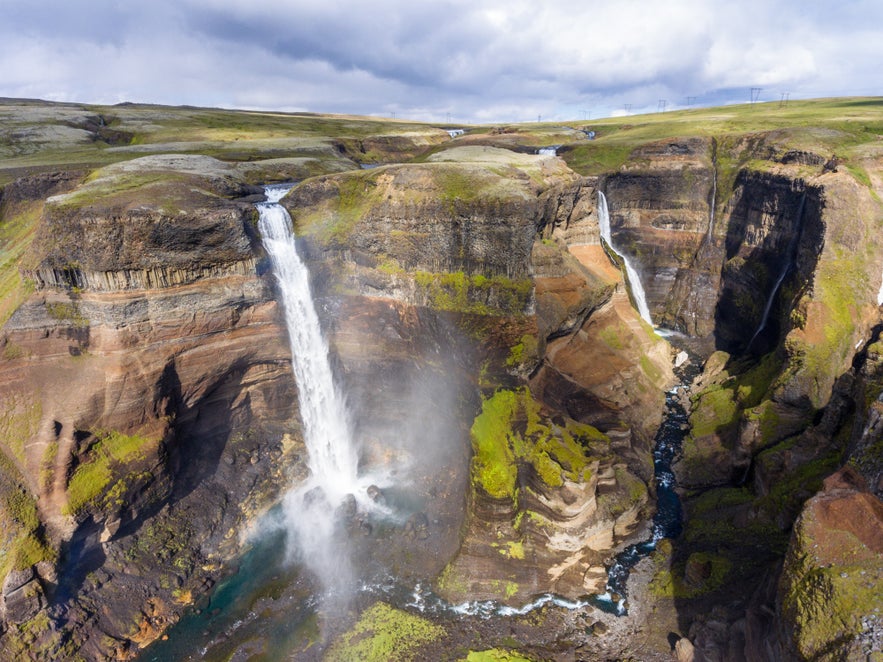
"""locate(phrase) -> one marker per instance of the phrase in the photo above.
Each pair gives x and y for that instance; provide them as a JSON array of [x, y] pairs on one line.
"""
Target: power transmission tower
[[755, 94], [628, 108], [784, 101], [660, 108], [691, 101]]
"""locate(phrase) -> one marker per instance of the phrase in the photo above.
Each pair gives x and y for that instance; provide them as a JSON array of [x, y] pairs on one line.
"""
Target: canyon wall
[[494, 364]]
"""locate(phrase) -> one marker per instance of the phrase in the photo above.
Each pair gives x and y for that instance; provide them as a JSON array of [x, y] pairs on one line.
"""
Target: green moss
[[791, 490], [824, 602], [16, 234], [456, 291], [612, 336], [496, 655], [670, 582], [511, 430], [525, 351], [382, 634], [713, 501], [493, 465], [841, 281], [105, 461], [19, 422], [67, 312], [650, 369], [754, 384], [714, 410], [515, 550], [11, 351]]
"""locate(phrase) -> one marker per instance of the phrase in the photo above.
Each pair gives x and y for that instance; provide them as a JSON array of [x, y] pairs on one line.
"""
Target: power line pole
[[784, 101], [628, 108], [755, 94], [690, 101], [660, 108]]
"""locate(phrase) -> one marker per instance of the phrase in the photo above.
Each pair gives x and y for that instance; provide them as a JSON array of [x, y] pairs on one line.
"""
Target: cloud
[[479, 60]]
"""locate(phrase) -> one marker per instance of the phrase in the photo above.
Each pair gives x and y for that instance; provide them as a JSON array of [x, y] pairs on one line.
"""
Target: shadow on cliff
[[768, 264]]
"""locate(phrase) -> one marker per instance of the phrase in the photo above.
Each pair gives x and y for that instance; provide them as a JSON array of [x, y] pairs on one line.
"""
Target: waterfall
[[791, 255], [633, 280], [551, 150], [314, 511], [333, 462]]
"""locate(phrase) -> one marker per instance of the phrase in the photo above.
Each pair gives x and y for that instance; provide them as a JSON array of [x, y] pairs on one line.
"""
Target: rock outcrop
[[830, 600]]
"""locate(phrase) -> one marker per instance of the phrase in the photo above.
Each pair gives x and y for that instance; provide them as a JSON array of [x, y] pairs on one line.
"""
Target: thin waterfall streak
[[791, 257], [632, 277]]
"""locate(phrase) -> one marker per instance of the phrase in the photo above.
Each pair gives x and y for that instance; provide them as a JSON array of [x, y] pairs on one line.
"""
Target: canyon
[[500, 382]]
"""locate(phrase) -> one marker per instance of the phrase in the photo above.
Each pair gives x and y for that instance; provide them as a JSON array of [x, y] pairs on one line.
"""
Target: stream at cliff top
[[272, 607]]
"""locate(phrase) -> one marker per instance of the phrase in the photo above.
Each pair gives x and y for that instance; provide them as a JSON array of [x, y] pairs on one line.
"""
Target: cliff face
[[662, 214], [146, 393], [457, 243]]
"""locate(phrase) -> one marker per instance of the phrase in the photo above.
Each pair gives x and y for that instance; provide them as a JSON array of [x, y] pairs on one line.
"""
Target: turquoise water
[[263, 611]]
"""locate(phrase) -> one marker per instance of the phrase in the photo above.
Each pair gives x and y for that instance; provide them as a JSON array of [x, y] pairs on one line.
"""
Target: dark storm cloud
[[478, 60]]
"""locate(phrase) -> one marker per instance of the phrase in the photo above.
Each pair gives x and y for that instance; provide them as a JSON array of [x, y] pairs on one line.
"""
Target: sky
[[463, 61]]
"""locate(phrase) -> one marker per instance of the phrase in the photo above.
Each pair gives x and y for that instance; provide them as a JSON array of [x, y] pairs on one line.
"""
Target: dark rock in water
[[417, 526], [347, 508], [376, 494], [314, 496], [366, 528]]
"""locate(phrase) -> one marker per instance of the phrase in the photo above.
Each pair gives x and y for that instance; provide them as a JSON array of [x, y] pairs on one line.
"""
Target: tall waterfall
[[333, 461], [334, 486], [791, 256], [634, 281]]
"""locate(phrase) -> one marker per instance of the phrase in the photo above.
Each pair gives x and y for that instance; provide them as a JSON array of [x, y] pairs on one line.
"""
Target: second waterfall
[[634, 281]]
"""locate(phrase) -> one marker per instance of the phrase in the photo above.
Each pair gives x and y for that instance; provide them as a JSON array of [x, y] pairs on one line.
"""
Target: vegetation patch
[[383, 633], [673, 582], [525, 351], [478, 294], [68, 312], [496, 655], [510, 430], [22, 541], [19, 421], [104, 461], [16, 234]]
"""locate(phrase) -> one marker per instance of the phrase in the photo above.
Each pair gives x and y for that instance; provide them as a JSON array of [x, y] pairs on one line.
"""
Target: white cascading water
[[333, 458], [634, 281]]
